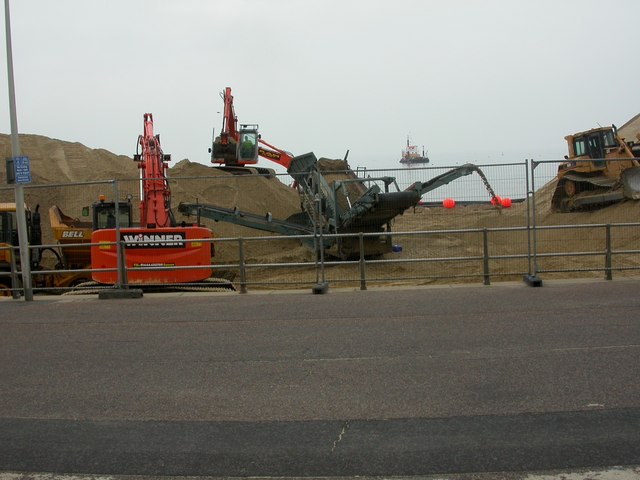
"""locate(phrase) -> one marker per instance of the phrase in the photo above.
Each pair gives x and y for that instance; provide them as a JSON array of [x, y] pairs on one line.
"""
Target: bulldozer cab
[[104, 215], [594, 144], [248, 144]]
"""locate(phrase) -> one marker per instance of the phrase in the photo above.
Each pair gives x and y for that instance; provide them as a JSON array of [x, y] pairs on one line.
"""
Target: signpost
[[21, 169]]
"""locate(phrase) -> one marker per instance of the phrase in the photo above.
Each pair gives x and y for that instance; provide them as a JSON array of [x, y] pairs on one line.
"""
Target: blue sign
[[21, 169]]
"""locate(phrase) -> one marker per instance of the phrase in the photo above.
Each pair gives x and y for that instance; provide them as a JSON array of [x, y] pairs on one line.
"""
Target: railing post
[[607, 255], [485, 256], [243, 273], [363, 280], [321, 285], [531, 278], [15, 292], [121, 279]]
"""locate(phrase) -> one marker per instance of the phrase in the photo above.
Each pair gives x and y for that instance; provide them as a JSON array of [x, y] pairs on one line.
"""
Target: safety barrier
[[428, 244]]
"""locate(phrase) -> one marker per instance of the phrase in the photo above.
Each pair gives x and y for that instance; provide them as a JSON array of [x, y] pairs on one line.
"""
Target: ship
[[411, 155]]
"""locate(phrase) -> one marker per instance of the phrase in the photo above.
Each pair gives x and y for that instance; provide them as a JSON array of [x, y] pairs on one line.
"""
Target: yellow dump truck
[[61, 278]]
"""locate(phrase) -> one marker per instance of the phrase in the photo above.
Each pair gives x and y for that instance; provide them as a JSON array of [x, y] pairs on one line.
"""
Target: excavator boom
[[155, 204]]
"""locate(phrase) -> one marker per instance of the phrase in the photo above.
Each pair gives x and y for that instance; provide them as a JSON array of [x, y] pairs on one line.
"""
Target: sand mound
[[60, 162]]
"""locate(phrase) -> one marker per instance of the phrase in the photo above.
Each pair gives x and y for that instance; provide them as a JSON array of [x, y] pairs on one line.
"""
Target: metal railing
[[533, 245]]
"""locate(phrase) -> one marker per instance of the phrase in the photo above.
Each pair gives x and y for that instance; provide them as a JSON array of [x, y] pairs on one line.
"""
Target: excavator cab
[[104, 215], [248, 137]]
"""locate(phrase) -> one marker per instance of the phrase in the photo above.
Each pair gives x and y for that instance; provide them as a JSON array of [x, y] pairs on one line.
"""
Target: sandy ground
[[59, 162]]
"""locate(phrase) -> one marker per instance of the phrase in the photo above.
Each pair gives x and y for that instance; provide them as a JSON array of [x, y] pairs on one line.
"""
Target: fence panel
[[256, 246], [574, 244]]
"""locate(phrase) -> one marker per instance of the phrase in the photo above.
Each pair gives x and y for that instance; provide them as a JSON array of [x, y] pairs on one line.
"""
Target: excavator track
[[211, 284]]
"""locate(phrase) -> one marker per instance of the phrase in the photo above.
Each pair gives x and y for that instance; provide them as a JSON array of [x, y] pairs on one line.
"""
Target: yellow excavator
[[600, 169]]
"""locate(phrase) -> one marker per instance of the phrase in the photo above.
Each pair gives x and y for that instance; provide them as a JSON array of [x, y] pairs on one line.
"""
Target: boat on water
[[411, 155]]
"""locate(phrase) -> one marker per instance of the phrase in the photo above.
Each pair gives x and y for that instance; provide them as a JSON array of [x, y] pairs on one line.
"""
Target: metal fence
[[473, 242]]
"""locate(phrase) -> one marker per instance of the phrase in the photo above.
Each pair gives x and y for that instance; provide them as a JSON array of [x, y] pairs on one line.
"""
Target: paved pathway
[[381, 382]]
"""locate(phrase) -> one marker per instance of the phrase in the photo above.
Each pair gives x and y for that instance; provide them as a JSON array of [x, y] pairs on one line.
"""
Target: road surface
[[379, 382]]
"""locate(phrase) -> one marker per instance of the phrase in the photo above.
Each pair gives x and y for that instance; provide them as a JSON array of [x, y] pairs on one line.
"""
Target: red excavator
[[159, 251], [236, 148]]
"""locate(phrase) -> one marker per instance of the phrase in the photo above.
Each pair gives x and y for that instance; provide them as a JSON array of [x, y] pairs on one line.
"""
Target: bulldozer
[[601, 168]]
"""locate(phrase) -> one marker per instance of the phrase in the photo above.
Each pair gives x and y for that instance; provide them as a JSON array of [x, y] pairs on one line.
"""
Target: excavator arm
[[155, 203], [274, 154]]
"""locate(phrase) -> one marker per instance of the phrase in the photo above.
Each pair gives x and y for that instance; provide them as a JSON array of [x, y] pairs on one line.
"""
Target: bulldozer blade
[[631, 183]]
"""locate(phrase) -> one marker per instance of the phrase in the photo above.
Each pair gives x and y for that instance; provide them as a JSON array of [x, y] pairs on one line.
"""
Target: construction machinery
[[67, 271], [159, 251], [238, 146], [9, 261], [600, 169], [339, 205], [74, 235], [334, 201]]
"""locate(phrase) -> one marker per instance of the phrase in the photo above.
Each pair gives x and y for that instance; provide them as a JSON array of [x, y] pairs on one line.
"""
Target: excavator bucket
[[631, 183]]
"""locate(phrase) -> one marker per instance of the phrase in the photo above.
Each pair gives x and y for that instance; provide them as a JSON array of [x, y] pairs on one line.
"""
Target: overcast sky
[[485, 81]]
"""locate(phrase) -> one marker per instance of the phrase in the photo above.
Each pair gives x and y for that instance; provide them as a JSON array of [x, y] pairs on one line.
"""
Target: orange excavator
[[238, 147], [158, 251]]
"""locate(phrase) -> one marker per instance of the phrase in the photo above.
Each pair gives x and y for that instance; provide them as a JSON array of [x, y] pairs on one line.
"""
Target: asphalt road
[[380, 382]]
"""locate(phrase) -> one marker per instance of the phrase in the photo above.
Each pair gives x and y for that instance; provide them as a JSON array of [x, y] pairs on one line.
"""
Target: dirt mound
[[60, 162]]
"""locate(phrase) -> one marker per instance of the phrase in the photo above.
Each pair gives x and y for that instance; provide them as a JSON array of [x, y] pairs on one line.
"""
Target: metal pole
[[15, 292], [363, 278], [243, 273], [23, 238], [321, 286], [533, 214], [607, 255], [529, 197], [532, 278], [485, 257], [120, 264]]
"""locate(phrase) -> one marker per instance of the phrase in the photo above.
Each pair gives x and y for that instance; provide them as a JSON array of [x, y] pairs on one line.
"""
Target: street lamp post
[[23, 239]]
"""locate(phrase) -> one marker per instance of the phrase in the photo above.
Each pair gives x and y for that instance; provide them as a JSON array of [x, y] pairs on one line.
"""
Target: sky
[[492, 81]]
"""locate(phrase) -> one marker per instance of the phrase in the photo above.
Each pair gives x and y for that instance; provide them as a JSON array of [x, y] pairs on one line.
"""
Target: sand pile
[[59, 162], [55, 161]]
